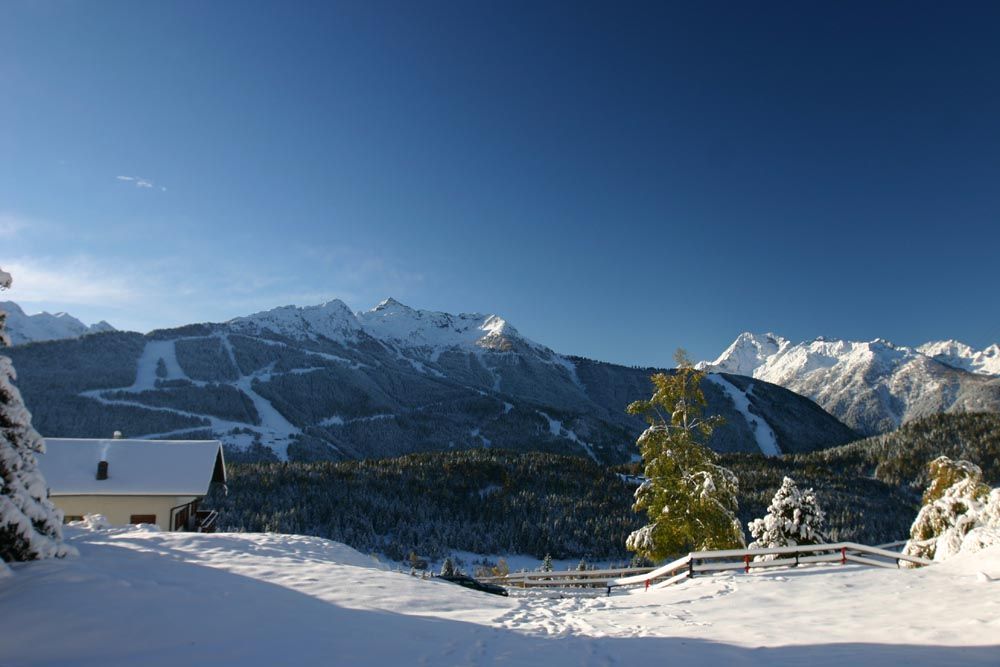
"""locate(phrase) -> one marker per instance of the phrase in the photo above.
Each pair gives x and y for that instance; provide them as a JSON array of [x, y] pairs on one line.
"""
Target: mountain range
[[323, 382], [23, 328], [873, 386]]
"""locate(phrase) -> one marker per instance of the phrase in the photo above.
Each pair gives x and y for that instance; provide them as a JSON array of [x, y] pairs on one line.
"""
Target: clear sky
[[615, 179]]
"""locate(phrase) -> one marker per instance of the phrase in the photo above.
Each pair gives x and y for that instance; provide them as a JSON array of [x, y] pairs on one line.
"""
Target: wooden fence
[[700, 562], [557, 578]]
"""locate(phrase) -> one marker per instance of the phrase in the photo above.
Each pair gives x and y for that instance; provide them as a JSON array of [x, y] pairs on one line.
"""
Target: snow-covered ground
[[134, 597]]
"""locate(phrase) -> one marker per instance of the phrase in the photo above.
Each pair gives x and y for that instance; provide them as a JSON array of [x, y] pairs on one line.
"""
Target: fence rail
[[699, 562], [597, 578]]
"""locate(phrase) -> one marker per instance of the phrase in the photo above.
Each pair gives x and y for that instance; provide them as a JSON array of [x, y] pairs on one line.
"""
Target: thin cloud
[[76, 281], [140, 182], [165, 291]]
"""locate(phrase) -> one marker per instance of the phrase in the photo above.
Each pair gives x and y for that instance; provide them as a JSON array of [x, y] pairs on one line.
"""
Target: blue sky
[[615, 179]]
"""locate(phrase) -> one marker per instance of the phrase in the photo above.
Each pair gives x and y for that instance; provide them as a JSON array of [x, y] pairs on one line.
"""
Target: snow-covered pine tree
[[447, 568], [547, 563], [960, 512], [689, 498], [794, 517], [30, 525]]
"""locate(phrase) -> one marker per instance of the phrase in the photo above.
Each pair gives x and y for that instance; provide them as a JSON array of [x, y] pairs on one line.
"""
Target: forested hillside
[[489, 501], [484, 501], [871, 488]]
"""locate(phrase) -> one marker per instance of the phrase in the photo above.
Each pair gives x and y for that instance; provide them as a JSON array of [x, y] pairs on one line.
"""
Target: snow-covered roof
[[135, 467]]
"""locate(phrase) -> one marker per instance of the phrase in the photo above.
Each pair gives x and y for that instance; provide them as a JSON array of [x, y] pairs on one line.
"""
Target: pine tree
[[960, 512], [794, 517], [447, 568], [30, 525], [689, 499], [547, 563]]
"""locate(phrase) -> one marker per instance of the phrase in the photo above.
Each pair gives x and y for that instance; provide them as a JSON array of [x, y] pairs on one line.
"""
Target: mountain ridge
[[23, 328], [323, 382], [872, 386]]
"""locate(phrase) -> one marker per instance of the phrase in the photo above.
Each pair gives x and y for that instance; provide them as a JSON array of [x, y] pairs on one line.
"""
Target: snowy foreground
[[135, 597]]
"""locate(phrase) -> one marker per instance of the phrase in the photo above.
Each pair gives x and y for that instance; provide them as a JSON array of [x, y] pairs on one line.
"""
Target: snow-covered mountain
[[24, 328], [333, 320], [325, 382], [962, 356], [872, 386], [747, 353], [422, 332], [434, 332]]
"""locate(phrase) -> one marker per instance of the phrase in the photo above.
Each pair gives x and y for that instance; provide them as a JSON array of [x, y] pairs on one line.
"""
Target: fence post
[[691, 569], [746, 563], [843, 555], [647, 585]]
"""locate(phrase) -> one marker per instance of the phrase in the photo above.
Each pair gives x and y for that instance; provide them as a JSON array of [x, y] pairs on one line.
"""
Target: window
[[142, 518], [181, 518]]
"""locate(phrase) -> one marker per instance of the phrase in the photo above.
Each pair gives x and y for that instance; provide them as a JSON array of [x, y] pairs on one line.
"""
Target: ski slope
[[763, 433], [135, 597]]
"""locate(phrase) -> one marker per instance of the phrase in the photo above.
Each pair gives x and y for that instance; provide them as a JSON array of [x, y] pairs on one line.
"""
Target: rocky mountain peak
[[24, 328]]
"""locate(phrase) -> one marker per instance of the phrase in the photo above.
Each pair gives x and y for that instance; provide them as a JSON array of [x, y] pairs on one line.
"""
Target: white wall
[[118, 509]]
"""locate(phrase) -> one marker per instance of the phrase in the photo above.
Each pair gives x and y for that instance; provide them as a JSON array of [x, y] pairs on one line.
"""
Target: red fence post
[[843, 555], [746, 563], [647, 585]]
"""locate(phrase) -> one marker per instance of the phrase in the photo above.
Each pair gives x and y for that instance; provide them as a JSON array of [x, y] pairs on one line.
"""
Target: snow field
[[135, 597]]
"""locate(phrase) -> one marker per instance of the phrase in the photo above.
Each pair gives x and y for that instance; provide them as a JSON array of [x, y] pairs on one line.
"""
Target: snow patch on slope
[[155, 350], [763, 433], [475, 433], [557, 429]]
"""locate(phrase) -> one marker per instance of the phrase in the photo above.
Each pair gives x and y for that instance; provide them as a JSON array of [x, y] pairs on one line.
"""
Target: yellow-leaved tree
[[689, 499]]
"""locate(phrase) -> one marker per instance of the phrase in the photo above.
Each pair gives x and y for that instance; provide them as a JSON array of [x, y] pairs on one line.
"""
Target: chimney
[[102, 470]]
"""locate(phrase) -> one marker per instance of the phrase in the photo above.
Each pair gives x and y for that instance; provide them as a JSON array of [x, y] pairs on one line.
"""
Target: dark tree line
[[491, 501], [484, 501]]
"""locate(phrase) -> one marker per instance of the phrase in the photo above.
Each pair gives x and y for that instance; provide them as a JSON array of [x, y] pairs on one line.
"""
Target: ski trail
[[763, 433], [271, 420], [557, 429], [145, 374], [276, 431]]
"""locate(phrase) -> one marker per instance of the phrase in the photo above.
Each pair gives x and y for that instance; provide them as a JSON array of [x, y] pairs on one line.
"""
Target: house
[[134, 481]]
